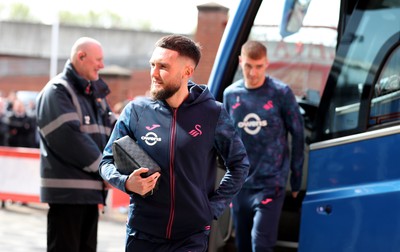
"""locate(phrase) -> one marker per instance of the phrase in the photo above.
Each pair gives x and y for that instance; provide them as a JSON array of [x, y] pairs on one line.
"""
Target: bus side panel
[[353, 197]]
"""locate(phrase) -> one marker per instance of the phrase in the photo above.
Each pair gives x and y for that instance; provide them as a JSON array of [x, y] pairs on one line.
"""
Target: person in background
[[21, 127], [74, 123], [3, 123], [119, 106], [264, 111], [11, 97], [183, 128]]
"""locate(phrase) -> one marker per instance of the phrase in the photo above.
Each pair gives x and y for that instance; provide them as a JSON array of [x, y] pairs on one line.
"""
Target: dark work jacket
[[185, 143], [74, 127]]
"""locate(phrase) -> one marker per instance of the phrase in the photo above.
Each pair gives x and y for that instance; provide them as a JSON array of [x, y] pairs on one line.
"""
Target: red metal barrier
[[20, 177]]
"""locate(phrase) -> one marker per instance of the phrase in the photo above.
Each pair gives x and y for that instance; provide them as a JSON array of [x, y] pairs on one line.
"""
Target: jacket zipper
[[172, 176]]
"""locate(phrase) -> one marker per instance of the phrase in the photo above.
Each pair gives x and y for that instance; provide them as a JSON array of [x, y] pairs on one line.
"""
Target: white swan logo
[[151, 138], [252, 123]]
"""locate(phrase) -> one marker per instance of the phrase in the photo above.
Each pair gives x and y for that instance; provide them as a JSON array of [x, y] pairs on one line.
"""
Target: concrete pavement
[[23, 229]]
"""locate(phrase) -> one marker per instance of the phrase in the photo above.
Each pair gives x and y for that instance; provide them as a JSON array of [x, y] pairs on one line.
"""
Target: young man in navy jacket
[[264, 111], [183, 128]]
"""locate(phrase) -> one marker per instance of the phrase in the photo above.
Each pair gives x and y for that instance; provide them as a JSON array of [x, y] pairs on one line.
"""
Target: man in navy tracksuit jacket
[[183, 128]]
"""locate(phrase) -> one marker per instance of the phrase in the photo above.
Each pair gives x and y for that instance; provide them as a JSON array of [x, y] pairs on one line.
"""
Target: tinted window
[[359, 57], [301, 60], [385, 105]]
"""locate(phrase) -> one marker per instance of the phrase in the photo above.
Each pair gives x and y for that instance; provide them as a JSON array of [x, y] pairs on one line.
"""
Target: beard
[[164, 93]]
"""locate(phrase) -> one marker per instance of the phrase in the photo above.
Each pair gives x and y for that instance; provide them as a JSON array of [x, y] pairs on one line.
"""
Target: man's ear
[[82, 55], [189, 71]]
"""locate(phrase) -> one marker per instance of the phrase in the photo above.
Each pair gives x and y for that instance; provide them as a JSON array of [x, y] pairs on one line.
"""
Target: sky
[[174, 15], [178, 16]]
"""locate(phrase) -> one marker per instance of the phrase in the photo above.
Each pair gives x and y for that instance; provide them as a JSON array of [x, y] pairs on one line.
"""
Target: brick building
[[25, 62]]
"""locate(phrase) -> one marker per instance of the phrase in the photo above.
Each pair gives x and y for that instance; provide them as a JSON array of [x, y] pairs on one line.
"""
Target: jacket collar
[[99, 89]]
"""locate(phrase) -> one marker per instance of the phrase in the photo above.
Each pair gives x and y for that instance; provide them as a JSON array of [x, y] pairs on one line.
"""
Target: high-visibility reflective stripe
[[107, 130], [72, 183], [92, 128], [95, 128], [53, 125], [74, 98], [94, 167]]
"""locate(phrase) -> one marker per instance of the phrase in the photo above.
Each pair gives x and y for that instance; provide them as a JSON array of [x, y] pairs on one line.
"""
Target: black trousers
[[72, 228]]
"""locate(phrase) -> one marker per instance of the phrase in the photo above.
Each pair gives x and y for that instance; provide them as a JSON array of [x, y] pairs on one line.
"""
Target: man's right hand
[[135, 183]]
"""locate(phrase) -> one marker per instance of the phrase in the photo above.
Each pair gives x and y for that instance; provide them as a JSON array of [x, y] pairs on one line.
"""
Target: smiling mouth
[[156, 83]]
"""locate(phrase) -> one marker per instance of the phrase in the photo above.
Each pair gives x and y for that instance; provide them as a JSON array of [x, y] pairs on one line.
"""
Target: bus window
[[385, 105], [302, 60], [359, 55]]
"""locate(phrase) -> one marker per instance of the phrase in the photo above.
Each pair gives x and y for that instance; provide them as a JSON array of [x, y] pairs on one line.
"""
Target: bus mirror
[[294, 12]]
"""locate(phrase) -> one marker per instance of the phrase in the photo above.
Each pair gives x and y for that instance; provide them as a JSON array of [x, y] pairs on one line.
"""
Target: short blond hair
[[254, 50]]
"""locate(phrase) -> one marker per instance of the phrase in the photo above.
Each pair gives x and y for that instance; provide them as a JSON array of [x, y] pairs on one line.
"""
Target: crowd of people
[[17, 122]]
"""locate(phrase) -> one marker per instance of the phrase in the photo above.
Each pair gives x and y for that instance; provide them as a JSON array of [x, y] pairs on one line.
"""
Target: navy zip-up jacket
[[74, 128], [185, 143]]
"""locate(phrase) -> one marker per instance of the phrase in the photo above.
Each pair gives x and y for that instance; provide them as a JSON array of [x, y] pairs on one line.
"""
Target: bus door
[[300, 52], [353, 184]]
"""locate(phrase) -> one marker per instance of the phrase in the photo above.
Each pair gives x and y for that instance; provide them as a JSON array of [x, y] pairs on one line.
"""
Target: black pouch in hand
[[129, 156]]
